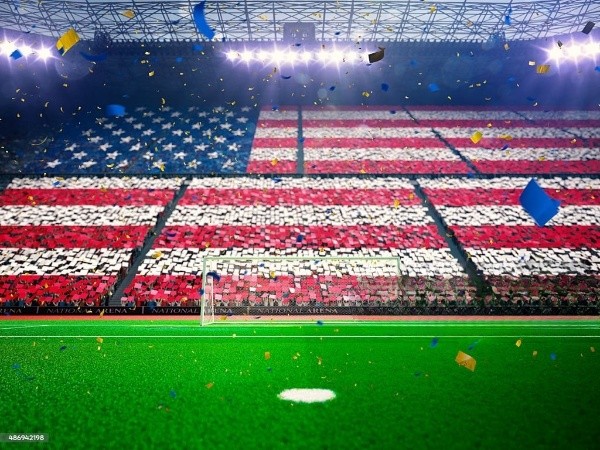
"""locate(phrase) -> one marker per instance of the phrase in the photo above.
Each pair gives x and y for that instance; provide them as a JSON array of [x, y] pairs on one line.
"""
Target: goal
[[295, 284]]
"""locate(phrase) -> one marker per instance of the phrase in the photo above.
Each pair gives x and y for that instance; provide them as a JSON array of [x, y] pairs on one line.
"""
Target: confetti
[[209, 385], [67, 41], [553, 356], [377, 56], [588, 27], [518, 343], [534, 353], [462, 359], [200, 21], [128, 13], [99, 340], [476, 137], [592, 349], [214, 275], [542, 68], [434, 342], [538, 204], [433, 87], [267, 355], [319, 322]]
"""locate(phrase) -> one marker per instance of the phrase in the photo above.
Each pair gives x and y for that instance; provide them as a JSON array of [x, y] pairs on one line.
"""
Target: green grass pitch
[[171, 384]]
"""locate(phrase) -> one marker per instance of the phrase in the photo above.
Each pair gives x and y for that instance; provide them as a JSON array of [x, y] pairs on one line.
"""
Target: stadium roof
[[264, 20]]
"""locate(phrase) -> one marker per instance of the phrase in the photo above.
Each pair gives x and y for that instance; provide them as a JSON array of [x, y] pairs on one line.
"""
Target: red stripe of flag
[[95, 197], [522, 236], [54, 288], [376, 142], [58, 236], [282, 237], [266, 166], [523, 142], [527, 167], [508, 197], [391, 167], [298, 196], [283, 123]]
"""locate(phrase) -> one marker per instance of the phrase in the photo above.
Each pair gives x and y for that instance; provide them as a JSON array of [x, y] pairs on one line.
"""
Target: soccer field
[[172, 384]]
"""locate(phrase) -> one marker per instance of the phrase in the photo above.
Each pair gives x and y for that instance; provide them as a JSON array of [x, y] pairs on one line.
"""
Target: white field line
[[254, 336], [16, 327]]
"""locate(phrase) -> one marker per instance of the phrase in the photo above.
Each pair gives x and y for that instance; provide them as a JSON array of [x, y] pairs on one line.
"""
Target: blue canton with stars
[[193, 141]]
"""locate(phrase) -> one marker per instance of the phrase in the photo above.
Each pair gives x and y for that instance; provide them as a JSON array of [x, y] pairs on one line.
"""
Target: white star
[[101, 120], [105, 147], [175, 114], [158, 120], [138, 126], [192, 164], [167, 126], [122, 164], [180, 155], [112, 155], [196, 126], [87, 133], [220, 139], [109, 126], [159, 164], [167, 108], [201, 147], [242, 119], [118, 132], [126, 140], [188, 140], [225, 126], [71, 147], [213, 155], [79, 155], [169, 147], [245, 109], [130, 120], [140, 109], [228, 164], [95, 139], [213, 119], [53, 164], [148, 114], [177, 132], [87, 164], [147, 132], [233, 147], [238, 132], [148, 155], [207, 133], [219, 109], [229, 114], [136, 147], [202, 114]]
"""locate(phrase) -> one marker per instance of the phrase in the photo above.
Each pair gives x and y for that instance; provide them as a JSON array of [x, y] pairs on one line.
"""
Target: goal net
[[254, 285]]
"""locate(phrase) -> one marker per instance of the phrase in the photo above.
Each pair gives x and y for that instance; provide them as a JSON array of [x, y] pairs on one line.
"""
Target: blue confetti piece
[[332, 88], [385, 87], [337, 33], [56, 184], [433, 87], [472, 346], [392, 112], [215, 276], [286, 77], [16, 54], [179, 59], [511, 79], [115, 110], [507, 20], [553, 356], [63, 348], [275, 108], [16, 366], [505, 146], [597, 69], [201, 291], [277, 180], [319, 322], [299, 238], [172, 393], [301, 139], [434, 342], [470, 174], [200, 21], [198, 47]]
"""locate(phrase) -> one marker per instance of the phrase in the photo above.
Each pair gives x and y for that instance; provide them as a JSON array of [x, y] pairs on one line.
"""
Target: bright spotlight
[[277, 56], [262, 56], [336, 56], [246, 56], [44, 53], [6, 48], [25, 50], [555, 53], [322, 56], [306, 57], [232, 55], [292, 57], [590, 49], [574, 51]]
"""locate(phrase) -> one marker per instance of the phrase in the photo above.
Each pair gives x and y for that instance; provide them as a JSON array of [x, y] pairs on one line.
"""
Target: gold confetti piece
[[99, 348], [396, 203], [102, 313], [506, 137], [210, 385], [157, 254], [319, 360], [99, 340], [363, 171], [489, 125], [506, 46], [518, 343], [592, 349], [267, 355], [274, 161], [432, 9], [534, 353], [573, 141], [542, 68], [66, 41], [163, 101], [272, 274], [462, 359], [366, 94], [128, 13], [476, 137], [151, 74]]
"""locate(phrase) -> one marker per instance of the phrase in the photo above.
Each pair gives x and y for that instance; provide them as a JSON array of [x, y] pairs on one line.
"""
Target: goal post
[[235, 284]]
